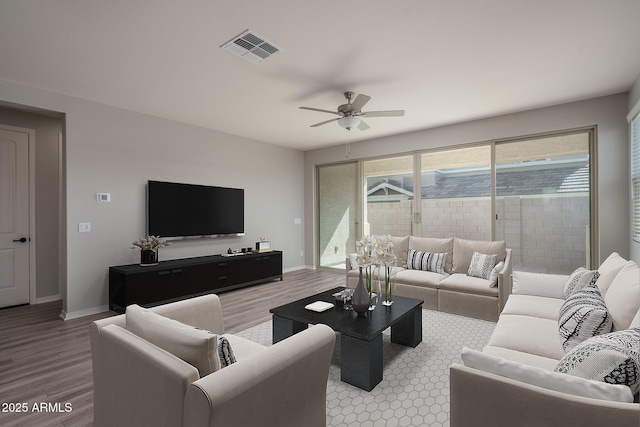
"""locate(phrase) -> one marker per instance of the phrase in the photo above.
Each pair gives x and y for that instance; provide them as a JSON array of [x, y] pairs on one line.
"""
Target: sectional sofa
[[526, 376], [451, 290]]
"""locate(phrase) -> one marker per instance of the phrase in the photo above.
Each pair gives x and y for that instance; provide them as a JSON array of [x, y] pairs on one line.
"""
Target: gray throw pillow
[[481, 265], [426, 261]]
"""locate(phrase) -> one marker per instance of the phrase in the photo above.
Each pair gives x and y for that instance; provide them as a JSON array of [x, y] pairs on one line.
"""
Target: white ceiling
[[443, 61]]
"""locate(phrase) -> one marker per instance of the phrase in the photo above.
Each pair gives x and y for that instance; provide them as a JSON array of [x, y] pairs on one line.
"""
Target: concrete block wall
[[545, 232]]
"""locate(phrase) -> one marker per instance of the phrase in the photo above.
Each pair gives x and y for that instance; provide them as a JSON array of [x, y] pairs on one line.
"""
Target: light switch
[[84, 227], [297, 221]]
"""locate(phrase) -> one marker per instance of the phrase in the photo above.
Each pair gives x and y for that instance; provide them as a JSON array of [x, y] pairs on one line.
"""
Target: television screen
[[187, 210]]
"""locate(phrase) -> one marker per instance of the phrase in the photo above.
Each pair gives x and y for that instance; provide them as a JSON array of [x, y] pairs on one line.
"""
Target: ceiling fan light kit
[[349, 122], [351, 112]]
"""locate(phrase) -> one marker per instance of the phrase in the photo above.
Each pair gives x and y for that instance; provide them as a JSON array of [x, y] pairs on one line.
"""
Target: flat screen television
[[186, 210]]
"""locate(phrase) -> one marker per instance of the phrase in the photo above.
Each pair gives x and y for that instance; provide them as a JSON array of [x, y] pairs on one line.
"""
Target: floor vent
[[251, 47]]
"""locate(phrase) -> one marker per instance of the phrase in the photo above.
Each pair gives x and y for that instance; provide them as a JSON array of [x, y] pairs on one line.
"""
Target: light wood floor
[[44, 359]]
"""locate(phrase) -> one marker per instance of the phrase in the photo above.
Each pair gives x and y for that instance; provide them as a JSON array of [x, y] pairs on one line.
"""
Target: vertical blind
[[635, 175]]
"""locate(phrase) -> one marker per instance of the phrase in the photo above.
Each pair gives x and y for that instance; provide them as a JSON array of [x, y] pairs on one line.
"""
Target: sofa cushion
[[242, 347], [518, 356], [579, 279], [532, 305], [635, 323], [493, 277], [433, 245], [544, 378], [608, 270], [424, 279], [623, 296], [612, 358], [400, 248], [470, 285], [426, 261], [582, 316], [481, 265], [463, 250], [528, 334], [195, 346], [544, 285]]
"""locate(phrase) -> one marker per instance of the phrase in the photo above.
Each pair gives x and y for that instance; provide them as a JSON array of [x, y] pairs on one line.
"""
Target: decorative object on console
[[263, 245], [149, 249]]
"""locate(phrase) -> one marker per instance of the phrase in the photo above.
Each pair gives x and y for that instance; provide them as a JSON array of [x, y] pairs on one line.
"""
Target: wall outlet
[[301, 253], [84, 227], [297, 221]]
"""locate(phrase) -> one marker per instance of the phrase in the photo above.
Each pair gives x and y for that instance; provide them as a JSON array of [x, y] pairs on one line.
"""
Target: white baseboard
[[296, 268], [81, 313], [48, 299]]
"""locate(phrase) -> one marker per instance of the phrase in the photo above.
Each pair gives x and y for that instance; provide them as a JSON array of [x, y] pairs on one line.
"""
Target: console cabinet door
[[148, 288], [249, 269], [188, 280], [271, 265]]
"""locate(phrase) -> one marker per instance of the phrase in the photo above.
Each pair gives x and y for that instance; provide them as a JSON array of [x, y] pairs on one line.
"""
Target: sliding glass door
[[337, 213], [388, 187], [456, 193], [543, 202]]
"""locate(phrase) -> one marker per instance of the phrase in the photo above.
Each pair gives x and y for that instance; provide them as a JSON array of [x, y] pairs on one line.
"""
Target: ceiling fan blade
[[388, 113], [325, 122], [359, 102], [363, 125], [319, 109]]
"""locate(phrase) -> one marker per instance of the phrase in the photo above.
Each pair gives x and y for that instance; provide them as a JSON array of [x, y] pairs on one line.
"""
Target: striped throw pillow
[[481, 265], [579, 279], [426, 261], [582, 316]]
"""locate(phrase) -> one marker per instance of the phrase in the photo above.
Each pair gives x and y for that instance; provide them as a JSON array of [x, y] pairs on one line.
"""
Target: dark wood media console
[[183, 278]]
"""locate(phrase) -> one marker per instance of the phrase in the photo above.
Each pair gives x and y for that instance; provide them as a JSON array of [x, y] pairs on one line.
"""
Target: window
[[635, 176]]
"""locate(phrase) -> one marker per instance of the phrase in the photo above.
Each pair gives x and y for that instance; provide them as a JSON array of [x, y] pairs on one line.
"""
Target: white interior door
[[14, 216]]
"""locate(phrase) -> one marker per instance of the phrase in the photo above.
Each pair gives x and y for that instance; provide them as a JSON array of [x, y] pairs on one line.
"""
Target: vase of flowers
[[366, 248], [149, 249], [387, 260]]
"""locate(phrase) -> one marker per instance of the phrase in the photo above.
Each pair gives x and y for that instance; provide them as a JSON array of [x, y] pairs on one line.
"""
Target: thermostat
[[104, 197]]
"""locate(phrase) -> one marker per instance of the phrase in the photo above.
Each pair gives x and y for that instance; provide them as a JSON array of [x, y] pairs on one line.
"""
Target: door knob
[[21, 240]]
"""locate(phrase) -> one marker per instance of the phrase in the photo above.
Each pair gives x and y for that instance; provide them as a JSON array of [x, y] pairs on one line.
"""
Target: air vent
[[251, 47]]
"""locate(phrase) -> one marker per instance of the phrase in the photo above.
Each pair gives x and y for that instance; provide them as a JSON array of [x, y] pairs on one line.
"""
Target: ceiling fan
[[351, 113]]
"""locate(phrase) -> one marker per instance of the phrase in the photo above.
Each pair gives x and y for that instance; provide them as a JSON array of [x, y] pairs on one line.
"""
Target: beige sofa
[[139, 384], [452, 291], [512, 381]]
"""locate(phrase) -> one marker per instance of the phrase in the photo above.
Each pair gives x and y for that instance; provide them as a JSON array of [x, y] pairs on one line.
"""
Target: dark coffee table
[[360, 337]]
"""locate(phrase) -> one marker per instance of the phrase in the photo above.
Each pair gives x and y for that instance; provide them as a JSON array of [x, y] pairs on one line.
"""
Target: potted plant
[[149, 249]]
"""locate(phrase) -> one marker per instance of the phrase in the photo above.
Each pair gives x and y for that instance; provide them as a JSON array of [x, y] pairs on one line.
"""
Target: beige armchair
[[139, 384]]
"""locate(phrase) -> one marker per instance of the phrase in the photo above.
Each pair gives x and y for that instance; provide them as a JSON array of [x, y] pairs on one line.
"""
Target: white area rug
[[414, 390]]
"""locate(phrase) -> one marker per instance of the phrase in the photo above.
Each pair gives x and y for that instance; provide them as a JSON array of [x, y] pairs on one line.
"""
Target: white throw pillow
[[538, 284], [546, 379], [195, 346], [493, 277], [579, 279], [612, 358], [481, 265], [608, 270], [582, 316], [623, 296]]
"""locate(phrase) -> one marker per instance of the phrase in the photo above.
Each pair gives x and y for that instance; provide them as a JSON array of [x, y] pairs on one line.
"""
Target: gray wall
[[634, 98], [117, 151], [47, 196], [608, 113]]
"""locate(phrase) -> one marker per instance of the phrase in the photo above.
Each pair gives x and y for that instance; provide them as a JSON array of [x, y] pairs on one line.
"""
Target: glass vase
[[148, 257], [360, 299], [388, 287]]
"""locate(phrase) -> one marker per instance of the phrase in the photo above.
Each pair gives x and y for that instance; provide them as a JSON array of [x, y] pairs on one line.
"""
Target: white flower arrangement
[[150, 243]]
